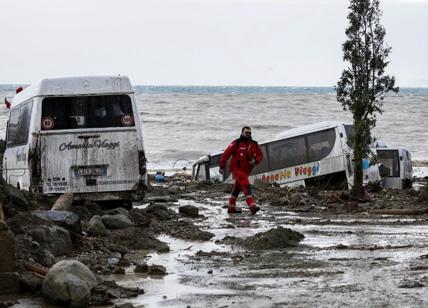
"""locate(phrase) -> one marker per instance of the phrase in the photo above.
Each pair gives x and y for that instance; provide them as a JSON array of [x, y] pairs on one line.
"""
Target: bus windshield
[[77, 112]]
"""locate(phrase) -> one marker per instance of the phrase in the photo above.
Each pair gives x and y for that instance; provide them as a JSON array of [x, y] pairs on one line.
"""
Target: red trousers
[[241, 184]]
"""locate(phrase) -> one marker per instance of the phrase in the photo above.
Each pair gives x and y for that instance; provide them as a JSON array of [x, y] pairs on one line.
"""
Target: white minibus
[[294, 157], [77, 134], [312, 155]]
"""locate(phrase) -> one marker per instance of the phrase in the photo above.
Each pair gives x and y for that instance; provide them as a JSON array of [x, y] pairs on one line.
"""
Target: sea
[[183, 123]]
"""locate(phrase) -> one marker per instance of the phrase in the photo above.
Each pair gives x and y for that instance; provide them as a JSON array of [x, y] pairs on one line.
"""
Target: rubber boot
[[232, 209], [253, 208]]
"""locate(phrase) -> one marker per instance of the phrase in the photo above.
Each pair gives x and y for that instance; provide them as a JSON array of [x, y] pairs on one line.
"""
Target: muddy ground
[[331, 251]]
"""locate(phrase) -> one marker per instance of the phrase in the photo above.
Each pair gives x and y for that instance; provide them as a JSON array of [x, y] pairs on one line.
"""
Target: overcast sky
[[200, 42]]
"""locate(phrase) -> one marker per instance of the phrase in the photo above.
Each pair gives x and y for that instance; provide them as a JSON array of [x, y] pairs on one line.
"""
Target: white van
[[77, 134]]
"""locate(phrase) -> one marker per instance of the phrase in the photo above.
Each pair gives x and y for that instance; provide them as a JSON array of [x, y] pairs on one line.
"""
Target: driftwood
[[399, 211], [36, 269]]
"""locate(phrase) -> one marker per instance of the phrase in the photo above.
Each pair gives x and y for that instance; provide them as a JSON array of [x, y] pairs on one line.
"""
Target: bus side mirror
[[401, 157]]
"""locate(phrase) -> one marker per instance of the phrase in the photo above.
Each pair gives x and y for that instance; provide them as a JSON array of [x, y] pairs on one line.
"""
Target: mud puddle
[[354, 260]]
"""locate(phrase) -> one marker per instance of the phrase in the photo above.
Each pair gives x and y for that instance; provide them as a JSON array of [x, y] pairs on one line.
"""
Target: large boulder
[[117, 221], [69, 282], [53, 238], [96, 226], [7, 248], [65, 219]]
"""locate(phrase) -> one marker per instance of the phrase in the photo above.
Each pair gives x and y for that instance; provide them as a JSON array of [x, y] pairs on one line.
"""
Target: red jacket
[[242, 153]]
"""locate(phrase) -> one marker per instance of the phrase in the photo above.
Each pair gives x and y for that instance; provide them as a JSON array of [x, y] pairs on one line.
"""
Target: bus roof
[[306, 129], [83, 85]]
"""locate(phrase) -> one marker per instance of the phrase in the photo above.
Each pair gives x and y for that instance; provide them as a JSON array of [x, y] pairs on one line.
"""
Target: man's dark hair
[[245, 127]]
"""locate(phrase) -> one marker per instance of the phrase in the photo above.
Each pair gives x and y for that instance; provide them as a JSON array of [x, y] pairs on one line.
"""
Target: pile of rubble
[[64, 250]]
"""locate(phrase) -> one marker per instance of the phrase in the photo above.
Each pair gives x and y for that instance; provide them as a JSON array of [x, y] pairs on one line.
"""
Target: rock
[[137, 238], [118, 210], [9, 283], [65, 219], [12, 197], [273, 239], [124, 305], [141, 268], [117, 221], [159, 211], [53, 238], [157, 270], [30, 282], [64, 202], [7, 248], [189, 211], [119, 271], [96, 226], [69, 282], [163, 199]]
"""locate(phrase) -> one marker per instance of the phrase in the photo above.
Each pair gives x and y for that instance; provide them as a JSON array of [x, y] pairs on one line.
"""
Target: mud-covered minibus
[[309, 155], [77, 134]]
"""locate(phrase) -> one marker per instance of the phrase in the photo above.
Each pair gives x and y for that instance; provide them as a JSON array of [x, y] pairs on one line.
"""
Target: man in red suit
[[246, 153]]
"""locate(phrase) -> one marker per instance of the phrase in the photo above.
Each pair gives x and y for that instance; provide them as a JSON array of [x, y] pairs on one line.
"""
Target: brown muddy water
[[357, 260]]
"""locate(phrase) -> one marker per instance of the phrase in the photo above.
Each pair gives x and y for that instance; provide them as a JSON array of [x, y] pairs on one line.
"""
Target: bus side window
[[287, 153], [320, 144], [24, 123], [12, 129], [19, 125]]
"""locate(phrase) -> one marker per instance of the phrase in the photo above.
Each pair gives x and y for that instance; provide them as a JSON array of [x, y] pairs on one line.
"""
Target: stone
[[275, 238], [65, 219], [30, 282], [141, 268], [118, 210], [13, 197], [53, 238], [96, 226], [157, 270], [159, 211], [189, 211], [117, 221], [69, 282], [64, 202], [124, 305], [9, 283], [8, 250]]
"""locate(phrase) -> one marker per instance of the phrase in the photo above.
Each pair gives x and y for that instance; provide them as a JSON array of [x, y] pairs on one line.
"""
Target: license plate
[[82, 171]]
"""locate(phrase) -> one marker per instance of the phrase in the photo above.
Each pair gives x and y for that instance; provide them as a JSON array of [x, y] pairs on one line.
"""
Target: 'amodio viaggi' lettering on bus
[[97, 144], [296, 172]]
